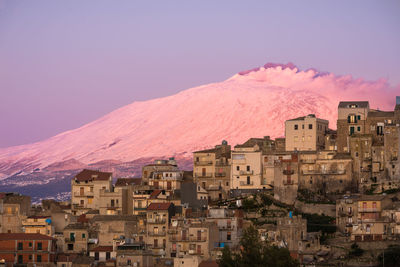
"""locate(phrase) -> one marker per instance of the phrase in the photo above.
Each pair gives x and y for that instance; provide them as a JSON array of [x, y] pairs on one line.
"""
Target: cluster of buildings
[[171, 217]]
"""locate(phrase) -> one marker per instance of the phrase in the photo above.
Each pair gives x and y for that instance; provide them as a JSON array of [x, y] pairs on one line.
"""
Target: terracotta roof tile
[[88, 175], [102, 249], [128, 181], [24, 236], [159, 206]]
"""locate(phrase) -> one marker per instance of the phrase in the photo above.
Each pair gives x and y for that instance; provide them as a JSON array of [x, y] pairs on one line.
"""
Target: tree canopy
[[256, 253]]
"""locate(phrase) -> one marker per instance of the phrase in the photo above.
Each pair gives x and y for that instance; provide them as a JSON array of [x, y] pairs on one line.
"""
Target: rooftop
[[128, 181], [358, 104], [159, 206], [24, 236], [89, 175]]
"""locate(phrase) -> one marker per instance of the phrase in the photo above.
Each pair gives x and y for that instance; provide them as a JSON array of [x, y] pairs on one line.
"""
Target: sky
[[66, 63]]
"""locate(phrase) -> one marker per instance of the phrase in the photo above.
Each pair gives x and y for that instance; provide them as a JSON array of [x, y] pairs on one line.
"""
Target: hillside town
[[330, 197]]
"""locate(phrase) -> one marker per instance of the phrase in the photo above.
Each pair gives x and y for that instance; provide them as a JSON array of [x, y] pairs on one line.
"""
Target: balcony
[[308, 161], [203, 175], [246, 172], [343, 213], [85, 194], [188, 239], [218, 163], [156, 233], [69, 240], [288, 172], [220, 174], [172, 231], [246, 184], [109, 206], [156, 221], [288, 182], [203, 163], [369, 210], [319, 172], [213, 187]]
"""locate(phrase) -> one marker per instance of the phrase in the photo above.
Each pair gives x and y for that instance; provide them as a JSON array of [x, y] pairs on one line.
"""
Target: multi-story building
[[346, 213], [116, 201], [166, 180], [352, 119], [211, 170], [230, 225], [13, 209], [326, 172], [305, 133], [158, 220], [23, 248], [134, 254], [246, 167], [38, 225], [76, 238], [85, 190], [157, 166], [370, 224], [192, 237]]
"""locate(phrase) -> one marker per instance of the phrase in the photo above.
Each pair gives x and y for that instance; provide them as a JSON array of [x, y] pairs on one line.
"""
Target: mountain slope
[[249, 104]]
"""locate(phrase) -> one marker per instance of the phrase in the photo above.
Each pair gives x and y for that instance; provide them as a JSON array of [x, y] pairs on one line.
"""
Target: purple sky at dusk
[[66, 63]]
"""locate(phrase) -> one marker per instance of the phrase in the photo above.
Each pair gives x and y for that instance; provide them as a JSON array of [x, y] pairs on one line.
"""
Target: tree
[[355, 250], [256, 253]]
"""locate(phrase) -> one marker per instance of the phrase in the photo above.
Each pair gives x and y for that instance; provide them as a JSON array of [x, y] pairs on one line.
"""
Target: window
[[20, 246], [82, 202], [379, 130], [351, 130], [30, 257], [227, 183], [129, 262], [310, 126], [296, 138], [108, 255], [302, 126], [96, 256], [296, 127], [30, 244], [228, 236], [248, 179], [39, 258], [39, 245], [238, 168], [20, 259], [248, 168], [358, 129], [352, 119], [90, 200], [70, 246], [83, 235]]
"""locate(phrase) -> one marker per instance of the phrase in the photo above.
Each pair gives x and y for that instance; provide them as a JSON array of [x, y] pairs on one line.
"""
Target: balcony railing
[[203, 163], [84, 194], [288, 182], [345, 213], [213, 187], [308, 161], [69, 240], [218, 163], [369, 210], [159, 233], [246, 172], [288, 172], [203, 175], [246, 183], [319, 172], [220, 174], [188, 239], [156, 221]]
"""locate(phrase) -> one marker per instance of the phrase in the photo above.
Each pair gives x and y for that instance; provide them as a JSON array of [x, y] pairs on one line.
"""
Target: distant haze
[[66, 63]]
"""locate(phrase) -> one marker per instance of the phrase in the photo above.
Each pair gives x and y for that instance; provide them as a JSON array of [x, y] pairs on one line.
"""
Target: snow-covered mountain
[[252, 103]]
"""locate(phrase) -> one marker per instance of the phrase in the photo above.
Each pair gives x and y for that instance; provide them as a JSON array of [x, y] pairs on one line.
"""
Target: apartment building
[[326, 172], [85, 190], [158, 219], [13, 210], [157, 166], [76, 238], [305, 133], [352, 119], [346, 213], [192, 237], [166, 180], [117, 200], [246, 167], [134, 254], [23, 248], [211, 170], [38, 225], [229, 224]]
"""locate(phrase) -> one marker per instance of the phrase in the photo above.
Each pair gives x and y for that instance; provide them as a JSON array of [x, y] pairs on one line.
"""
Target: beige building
[[326, 172], [192, 237], [13, 210], [116, 201], [38, 225], [211, 170], [158, 219], [86, 186], [157, 166], [352, 118], [246, 167], [166, 180], [305, 133], [134, 254], [76, 238]]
